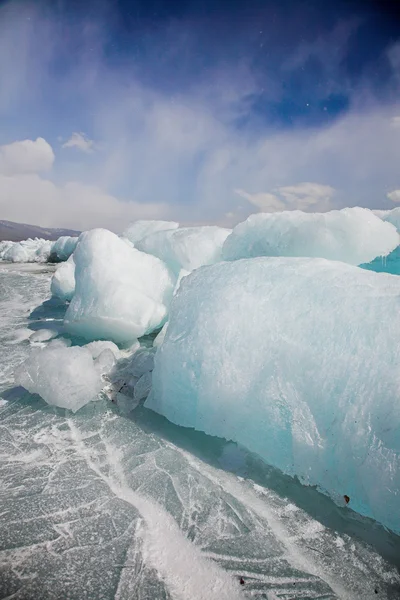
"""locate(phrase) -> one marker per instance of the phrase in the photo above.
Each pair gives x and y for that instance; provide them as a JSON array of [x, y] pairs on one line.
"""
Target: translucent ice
[[187, 248], [121, 293], [63, 280], [298, 360], [62, 249], [352, 235], [140, 229], [62, 376], [390, 216]]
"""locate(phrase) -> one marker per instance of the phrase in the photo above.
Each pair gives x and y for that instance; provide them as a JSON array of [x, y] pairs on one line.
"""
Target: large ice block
[[298, 359]]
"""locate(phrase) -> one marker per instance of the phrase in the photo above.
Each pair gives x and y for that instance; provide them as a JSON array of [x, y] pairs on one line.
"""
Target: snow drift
[[299, 361]]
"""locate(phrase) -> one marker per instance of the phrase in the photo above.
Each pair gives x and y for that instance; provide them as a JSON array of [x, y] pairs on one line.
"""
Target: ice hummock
[[38, 250], [67, 377], [186, 248], [352, 235], [120, 292], [30, 250], [299, 361]]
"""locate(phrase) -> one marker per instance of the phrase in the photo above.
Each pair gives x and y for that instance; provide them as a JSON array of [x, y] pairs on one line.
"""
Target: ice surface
[[95, 505], [63, 248], [63, 280], [63, 377], [299, 361], [187, 248], [140, 229], [352, 235], [121, 293]]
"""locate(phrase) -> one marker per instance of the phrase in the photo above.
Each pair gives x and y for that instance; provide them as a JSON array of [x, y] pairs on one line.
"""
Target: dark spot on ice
[[241, 581], [376, 591], [346, 498]]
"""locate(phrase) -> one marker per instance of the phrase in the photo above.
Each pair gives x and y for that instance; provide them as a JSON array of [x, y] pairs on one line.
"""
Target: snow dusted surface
[[298, 360], [352, 235], [98, 505], [186, 248], [121, 293]]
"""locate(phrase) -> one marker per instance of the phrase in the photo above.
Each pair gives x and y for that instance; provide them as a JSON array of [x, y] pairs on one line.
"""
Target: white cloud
[[33, 199], [301, 196], [394, 196], [26, 156], [80, 141], [306, 195], [264, 201]]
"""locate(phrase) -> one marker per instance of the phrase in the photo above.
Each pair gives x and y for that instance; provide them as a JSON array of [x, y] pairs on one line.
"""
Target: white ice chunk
[[187, 248], [121, 293], [63, 377], [43, 335], [297, 359], [63, 280], [140, 229], [105, 361], [352, 235], [96, 348]]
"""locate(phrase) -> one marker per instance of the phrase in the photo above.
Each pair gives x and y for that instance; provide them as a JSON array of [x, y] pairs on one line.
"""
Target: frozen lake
[[96, 505]]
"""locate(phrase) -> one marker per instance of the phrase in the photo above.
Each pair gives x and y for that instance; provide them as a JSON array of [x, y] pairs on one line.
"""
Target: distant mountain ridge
[[15, 232]]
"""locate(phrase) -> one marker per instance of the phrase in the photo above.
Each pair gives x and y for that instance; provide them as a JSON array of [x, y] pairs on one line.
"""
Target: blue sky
[[196, 111]]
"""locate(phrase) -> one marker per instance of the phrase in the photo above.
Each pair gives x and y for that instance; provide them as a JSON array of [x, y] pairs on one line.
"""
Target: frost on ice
[[121, 293], [297, 359], [64, 377], [352, 235], [187, 248]]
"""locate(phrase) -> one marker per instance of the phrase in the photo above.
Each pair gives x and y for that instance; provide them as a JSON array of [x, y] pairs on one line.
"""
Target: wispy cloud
[[180, 136], [394, 196], [81, 142]]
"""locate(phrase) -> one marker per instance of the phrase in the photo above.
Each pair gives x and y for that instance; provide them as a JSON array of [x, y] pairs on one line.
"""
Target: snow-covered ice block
[[63, 280], [62, 376], [120, 294], [63, 248], [187, 248], [352, 235], [140, 229], [297, 359]]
